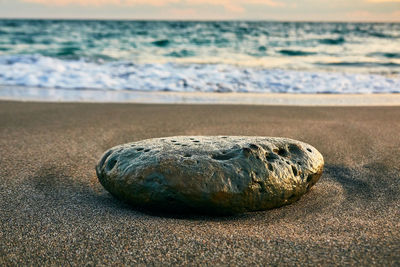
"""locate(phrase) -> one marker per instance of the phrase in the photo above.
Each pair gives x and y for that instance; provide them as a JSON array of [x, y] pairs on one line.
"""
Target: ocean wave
[[161, 43], [41, 71], [332, 41], [385, 54], [383, 35], [182, 53], [289, 52], [294, 45], [359, 64]]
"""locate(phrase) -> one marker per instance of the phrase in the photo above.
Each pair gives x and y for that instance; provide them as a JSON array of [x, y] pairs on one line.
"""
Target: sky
[[286, 10]]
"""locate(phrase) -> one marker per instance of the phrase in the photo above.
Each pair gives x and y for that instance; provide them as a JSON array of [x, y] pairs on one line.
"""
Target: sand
[[53, 211]]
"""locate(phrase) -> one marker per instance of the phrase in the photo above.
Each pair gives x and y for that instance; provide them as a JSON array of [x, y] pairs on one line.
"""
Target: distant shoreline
[[205, 20]]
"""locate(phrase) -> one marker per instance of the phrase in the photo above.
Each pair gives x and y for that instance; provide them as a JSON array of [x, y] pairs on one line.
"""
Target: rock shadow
[[362, 185], [369, 183], [350, 181], [55, 186], [193, 216]]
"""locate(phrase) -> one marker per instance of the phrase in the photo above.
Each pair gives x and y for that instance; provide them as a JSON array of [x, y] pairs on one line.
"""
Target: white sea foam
[[47, 72]]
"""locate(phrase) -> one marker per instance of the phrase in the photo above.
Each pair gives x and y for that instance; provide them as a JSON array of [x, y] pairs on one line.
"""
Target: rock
[[210, 174]]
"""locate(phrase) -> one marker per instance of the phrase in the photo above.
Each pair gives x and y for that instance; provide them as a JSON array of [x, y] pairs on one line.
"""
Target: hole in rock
[[196, 141], [147, 150], [282, 152], [173, 141], [294, 170], [309, 178], [222, 156], [105, 158], [224, 137], [110, 164], [139, 149], [271, 157], [253, 146], [287, 162], [295, 149], [270, 167], [309, 150], [247, 151], [187, 155]]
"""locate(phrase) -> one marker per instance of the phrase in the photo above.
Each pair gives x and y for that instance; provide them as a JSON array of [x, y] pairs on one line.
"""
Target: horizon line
[[198, 20]]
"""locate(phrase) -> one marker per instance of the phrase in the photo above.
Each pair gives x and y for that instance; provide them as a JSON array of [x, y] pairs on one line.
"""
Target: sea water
[[190, 56]]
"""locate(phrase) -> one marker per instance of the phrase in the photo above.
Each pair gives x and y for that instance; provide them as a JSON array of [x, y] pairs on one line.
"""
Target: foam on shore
[[47, 72]]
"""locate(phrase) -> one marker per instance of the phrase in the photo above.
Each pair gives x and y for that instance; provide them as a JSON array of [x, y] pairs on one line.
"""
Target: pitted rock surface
[[210, 174]]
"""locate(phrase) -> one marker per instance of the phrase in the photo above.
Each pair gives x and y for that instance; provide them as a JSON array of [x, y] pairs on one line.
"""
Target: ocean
[[190, 56]]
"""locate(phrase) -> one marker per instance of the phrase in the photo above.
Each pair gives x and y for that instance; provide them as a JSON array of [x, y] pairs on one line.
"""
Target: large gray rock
[[211, 174]]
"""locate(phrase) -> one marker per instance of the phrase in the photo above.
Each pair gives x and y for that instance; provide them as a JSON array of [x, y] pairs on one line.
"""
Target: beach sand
[[53, 211]]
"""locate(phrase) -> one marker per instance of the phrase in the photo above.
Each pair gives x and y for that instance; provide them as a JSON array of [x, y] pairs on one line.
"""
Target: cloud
[[266, 3], [230, 5], [183, 13], [362, 15], [235, 5], [102, 2], [382, 1]]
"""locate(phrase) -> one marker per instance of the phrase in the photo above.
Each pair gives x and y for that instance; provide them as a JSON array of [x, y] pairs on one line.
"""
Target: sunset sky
[[301, 10]]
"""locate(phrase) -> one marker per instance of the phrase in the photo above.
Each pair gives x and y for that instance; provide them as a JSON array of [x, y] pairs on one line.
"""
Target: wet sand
[[53, 211], [34, 94]]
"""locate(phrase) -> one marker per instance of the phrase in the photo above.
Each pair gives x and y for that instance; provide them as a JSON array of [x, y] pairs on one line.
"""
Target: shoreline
[[30, 94]]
